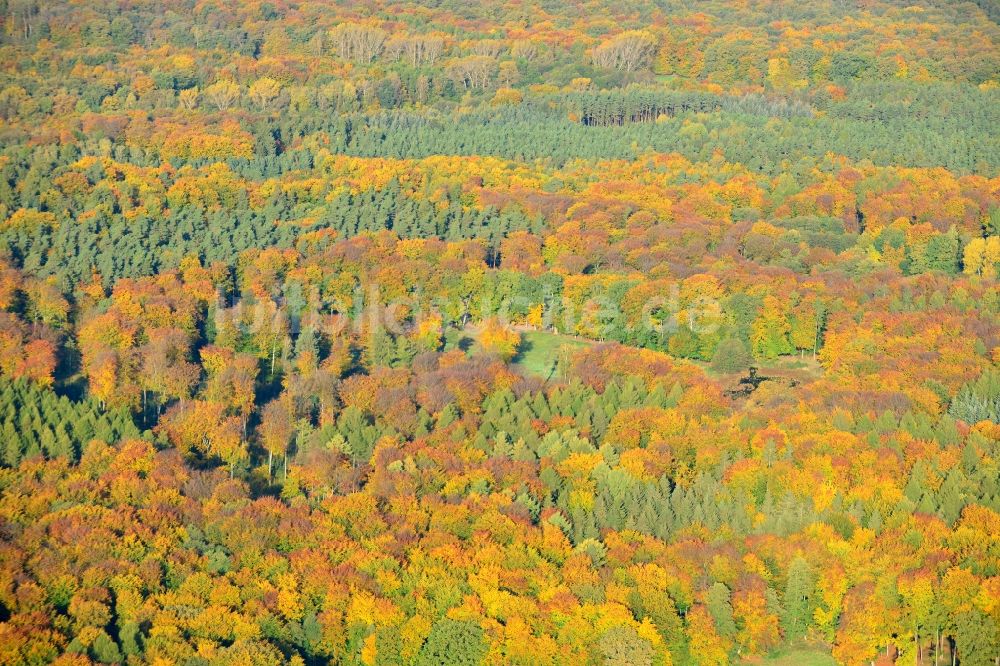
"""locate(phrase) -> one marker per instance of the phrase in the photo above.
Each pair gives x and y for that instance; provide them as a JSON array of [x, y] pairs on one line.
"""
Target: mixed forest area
[[462, 332]]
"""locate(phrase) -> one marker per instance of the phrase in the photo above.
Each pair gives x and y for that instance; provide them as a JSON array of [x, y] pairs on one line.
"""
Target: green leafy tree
[[799, 599], [623, 646], [731, 355], [719, 605], [453, 643]]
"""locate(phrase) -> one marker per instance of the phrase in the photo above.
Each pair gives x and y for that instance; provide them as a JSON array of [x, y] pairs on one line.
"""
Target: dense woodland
[[271, 274]]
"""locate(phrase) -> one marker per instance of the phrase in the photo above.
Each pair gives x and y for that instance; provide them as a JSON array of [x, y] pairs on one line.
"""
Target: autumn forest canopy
[[462, 332]]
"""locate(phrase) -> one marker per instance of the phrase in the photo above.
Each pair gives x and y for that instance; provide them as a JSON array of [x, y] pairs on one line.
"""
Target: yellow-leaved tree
[[499, 338]]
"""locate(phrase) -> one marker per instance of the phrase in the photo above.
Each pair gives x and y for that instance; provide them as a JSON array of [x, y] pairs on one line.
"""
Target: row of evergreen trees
[[35, 421], [754, 132], [120, 247], [635, 105]]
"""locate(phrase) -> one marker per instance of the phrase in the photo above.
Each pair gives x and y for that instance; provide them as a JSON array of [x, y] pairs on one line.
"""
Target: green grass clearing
[[539, 351], [796, 657], [538, 354]]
